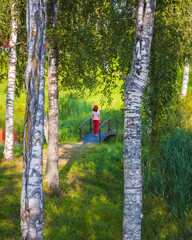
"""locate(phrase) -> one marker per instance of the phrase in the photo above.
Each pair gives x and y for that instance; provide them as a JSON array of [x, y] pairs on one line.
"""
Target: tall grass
[[171, 173]]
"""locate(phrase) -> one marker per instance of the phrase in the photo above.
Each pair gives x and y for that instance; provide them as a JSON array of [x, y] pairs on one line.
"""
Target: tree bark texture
[[52, 174], [9, 119], [32, 207], [134, 88], [185, 78]]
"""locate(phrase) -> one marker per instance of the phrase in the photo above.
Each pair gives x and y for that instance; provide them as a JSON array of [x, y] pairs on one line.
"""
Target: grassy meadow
[[90, 205]]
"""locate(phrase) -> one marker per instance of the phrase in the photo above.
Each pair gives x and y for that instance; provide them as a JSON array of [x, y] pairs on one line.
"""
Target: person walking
[[96, 120]]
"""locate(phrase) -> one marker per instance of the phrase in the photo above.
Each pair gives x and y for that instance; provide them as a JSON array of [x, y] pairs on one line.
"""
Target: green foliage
[[5, 20], [169, 48], [18, 149], [90, 36], [3, 65], [1, 152]]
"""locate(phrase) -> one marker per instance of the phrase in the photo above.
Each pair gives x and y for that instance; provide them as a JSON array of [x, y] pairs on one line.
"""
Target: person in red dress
[[96, 120]]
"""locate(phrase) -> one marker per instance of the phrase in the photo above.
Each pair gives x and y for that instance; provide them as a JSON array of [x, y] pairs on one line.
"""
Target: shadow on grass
[[92, 203], [10, 191], [91, 207]]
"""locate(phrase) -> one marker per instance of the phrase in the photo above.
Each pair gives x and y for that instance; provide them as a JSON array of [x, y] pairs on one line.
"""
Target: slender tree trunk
[[134, 88], [32, 205], [9, 130], [52, 174], [185, 78]]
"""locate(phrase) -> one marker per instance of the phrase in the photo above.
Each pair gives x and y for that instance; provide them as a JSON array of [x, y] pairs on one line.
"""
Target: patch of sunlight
[[9, 198], [96, 199], [55, 209], [93, 216], [81, 169], [7, 224]]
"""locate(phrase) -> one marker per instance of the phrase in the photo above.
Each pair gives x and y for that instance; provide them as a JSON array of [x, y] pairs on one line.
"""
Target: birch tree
[[32, 206], [52, 174], [134, 88], [185, 78], [9, 118]]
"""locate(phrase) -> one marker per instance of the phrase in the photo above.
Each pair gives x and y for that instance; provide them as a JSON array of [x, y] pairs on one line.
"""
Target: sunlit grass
[[91, 203], [92, 200], [10, 191]]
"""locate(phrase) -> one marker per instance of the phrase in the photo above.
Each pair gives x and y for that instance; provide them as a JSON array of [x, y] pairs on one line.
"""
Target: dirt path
[[67, 152]]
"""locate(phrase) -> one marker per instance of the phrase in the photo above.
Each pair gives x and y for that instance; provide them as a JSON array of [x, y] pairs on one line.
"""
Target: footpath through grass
[[90, 206], [92, 200], [91, 203]]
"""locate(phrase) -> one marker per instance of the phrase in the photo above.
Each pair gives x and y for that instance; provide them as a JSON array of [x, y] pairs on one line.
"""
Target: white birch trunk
[[134, 88], [9, 119], [52, 174], [32, 206], [185, 78]]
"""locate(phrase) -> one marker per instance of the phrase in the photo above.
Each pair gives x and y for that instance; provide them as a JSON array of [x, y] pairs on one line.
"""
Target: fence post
[[109, 126]]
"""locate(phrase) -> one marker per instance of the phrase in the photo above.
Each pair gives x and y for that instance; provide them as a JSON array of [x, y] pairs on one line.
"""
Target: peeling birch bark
[[52, 173], [32, 206], [134, 88], [185, 78], [9, 118]]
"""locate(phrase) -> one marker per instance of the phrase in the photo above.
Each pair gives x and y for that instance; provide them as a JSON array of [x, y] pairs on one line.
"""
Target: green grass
[[10, 191], [159, 223], [92, 202]]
